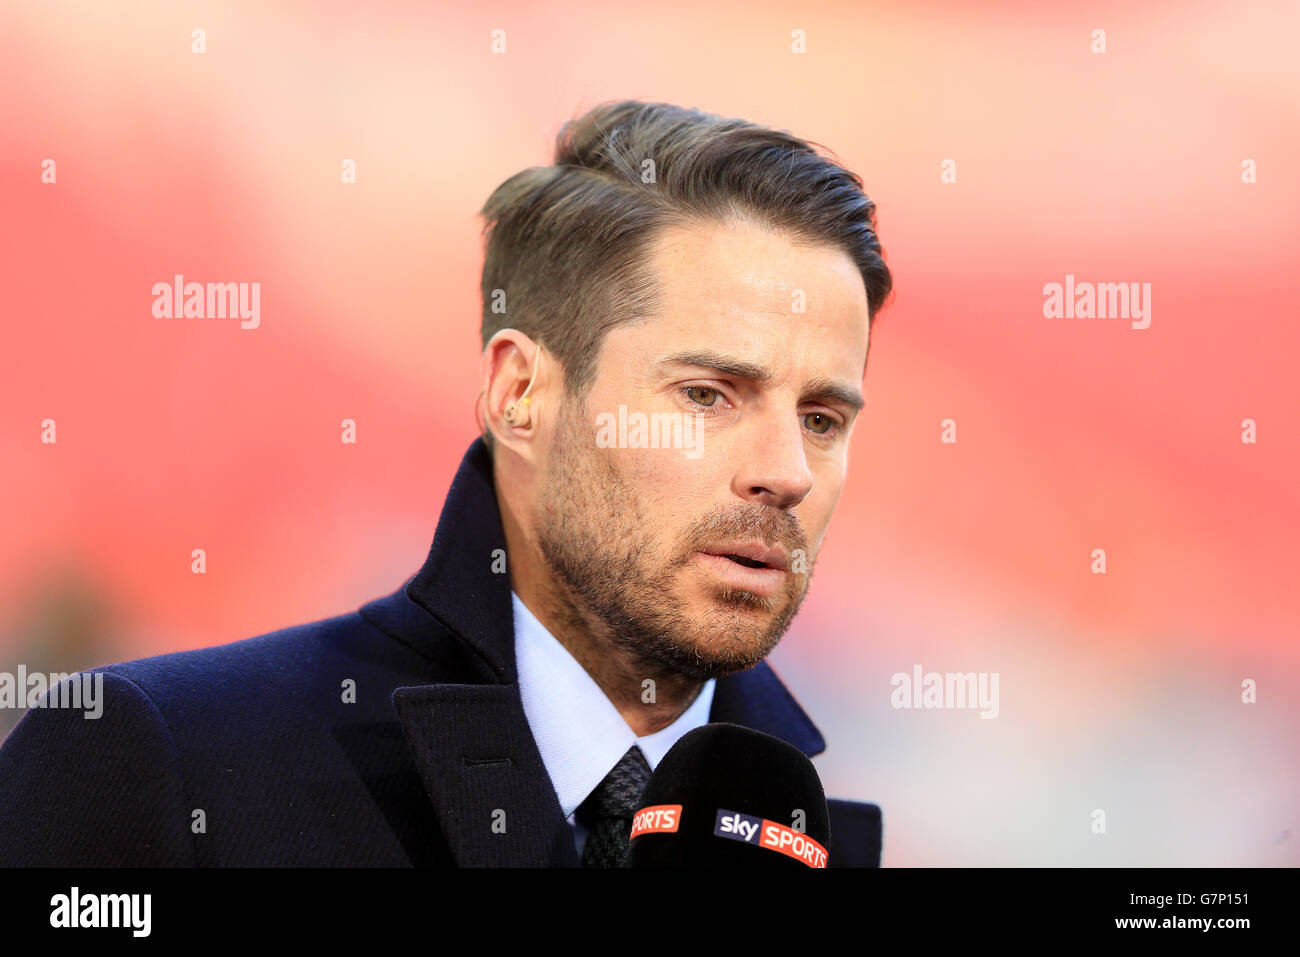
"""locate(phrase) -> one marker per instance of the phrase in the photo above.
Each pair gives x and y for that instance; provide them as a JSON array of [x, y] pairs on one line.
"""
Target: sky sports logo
[[656, 819], [769, 835]]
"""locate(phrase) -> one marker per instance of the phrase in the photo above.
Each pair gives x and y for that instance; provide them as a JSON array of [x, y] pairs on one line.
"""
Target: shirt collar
[[579, 732]]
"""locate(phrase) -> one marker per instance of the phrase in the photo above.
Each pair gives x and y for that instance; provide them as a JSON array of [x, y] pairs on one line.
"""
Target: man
[[676, 322]]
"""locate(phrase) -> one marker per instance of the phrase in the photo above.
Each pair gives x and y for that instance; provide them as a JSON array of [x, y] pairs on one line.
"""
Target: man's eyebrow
[[737, 368], [826, 389], [821, 388]]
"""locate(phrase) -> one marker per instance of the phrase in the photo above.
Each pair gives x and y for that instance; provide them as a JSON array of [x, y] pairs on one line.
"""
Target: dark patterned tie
[[608, 811]]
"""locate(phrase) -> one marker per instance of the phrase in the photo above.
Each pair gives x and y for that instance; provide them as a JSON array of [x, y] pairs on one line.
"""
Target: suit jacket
[[393, 735]]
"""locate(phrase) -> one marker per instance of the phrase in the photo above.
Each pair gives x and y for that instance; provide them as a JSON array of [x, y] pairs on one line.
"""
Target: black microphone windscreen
[[730, 796]]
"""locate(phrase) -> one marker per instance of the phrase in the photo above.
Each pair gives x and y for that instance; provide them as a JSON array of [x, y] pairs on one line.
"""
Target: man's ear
[[515, 376]]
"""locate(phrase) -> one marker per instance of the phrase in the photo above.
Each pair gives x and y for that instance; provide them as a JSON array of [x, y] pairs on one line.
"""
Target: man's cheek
[[666, 473], [816, 520], [828, 484]]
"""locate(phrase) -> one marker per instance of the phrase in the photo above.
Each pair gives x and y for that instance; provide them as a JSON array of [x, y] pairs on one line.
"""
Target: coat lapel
[[470, 739], [468, 734], [481, 769], [756, 698]]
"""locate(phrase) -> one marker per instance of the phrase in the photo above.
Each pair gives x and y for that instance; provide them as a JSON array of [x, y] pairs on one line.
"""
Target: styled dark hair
[[566, 245]]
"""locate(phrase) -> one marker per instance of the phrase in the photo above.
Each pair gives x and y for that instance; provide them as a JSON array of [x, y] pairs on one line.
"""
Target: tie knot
[[619, 793]]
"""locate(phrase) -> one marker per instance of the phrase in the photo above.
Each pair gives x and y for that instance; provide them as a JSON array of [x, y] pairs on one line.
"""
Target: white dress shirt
[[579, 732]]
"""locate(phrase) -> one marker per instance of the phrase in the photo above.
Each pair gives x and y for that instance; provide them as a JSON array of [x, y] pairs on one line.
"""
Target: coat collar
[[475, 753]]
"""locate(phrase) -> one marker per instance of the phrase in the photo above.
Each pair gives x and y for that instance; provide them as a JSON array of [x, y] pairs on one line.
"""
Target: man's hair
[[567, 245]]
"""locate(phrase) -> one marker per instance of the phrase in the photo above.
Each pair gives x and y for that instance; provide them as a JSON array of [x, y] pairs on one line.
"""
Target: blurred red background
[[1119, 691]]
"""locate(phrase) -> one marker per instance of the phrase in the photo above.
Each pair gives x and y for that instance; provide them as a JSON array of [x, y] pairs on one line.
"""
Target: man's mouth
[[750, 555], [747, 567]]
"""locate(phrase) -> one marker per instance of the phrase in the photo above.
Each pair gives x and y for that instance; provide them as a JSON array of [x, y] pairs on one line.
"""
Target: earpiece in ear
[[517, 414]]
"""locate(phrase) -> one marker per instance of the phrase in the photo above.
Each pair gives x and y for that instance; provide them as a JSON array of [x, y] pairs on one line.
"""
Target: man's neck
[[647, 695]]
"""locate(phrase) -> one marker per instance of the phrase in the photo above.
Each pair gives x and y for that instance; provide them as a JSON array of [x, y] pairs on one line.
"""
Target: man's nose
[[773, 467]]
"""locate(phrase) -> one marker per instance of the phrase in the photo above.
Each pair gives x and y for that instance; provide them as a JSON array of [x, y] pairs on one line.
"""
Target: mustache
[[775, 528]]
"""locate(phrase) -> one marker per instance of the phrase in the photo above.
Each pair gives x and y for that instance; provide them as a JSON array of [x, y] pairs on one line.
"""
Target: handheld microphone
[[729, 796]]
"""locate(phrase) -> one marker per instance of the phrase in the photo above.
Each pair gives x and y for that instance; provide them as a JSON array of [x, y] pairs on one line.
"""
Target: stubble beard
[[600, 547]]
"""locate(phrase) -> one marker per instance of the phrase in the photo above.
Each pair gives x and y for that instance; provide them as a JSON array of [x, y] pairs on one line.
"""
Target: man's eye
[[701, 395], [819, 423]]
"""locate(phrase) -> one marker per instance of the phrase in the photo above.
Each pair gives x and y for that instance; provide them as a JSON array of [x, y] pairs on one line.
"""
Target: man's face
[[758, 396]]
